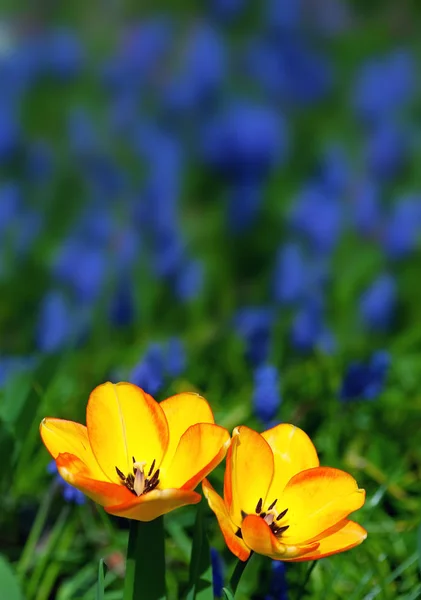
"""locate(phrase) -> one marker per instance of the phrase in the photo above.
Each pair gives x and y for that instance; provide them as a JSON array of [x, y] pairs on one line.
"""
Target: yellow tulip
[[280, 503], [136, 457]]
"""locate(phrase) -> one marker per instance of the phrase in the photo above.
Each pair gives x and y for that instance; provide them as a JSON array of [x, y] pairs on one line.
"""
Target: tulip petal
[[293, 452], [318, 499], [182, 411], [259, 537], [351, 534], [125, 423], [248, 472], [77, 473], [200, 449], [228, 528], [60, 437], [153, 504]]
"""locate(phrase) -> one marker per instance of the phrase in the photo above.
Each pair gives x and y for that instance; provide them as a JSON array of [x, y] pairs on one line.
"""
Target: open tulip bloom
[[136, 457], [280, 503]]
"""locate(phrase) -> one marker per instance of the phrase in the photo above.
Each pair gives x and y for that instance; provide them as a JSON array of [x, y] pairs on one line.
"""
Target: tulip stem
[[238, 572], [307, 578], [145, 565]]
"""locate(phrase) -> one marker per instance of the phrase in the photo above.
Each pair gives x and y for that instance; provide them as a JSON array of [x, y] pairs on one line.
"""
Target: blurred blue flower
[[378, 302], [366, 207], [10, 134], [384, 85], [175, 358], [148, 374], [163, 156], [125, 247], [82, 134], [245, 141], [318, 218], [217, 573], [189, 280], [39, 161], [289, 70], [169, 251], [69, 493], [403, 227], [266, 395], [278, 589], [244, 201], [10, 205], [200, 72], [140, 54], [365, 380], [83, 267], [55, 327], [334, 172], [64, 53], [122, 306], [290, 276], [307, 326], [253, 325], [308, 329], [284, 15], [30, 225], [386, 149]]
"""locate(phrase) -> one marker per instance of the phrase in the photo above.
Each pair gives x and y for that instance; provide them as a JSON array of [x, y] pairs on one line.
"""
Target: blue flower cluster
[[365, 380], [203, 162]]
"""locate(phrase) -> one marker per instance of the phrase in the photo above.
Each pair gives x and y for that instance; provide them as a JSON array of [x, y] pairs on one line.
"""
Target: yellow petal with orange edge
[[75, 472], [259, 537], [293, 451], [60, 437], [125, 423], [228, 528], [153, 504], [248, 472], [351, 534], [182, 411], [201, 448], [318, 499]]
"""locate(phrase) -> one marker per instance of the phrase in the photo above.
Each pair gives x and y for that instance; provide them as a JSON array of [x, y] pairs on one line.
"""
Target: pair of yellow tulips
[[141, 459]]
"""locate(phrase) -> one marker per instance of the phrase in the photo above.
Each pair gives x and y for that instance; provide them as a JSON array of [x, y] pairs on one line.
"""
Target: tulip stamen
[[259, 506], [136, 482], [282, 515]]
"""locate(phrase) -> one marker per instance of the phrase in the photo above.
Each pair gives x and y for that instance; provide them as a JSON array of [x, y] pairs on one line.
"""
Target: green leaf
[[419, 548], [145, 564], [201, 579], [101, 583], [228, 595], [9, 585]]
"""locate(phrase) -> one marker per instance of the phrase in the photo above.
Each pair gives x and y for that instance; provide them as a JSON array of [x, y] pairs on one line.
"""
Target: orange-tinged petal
[[351, 534], [200, 449], [75, 472], [293, 452], [228, 528], [125, 423], [318, 499], [248, 472], [182, 411], [259, 537], [60, 436], [153, 504]]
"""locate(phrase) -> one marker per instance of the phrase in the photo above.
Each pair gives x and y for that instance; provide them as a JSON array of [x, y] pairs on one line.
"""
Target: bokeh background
[[221, 196]]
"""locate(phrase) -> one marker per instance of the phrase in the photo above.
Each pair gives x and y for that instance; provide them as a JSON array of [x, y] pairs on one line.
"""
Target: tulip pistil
[[136, 482]]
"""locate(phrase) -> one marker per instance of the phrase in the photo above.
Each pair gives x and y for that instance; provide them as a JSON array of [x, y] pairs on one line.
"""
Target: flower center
[[136, 482], [271, 517]]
